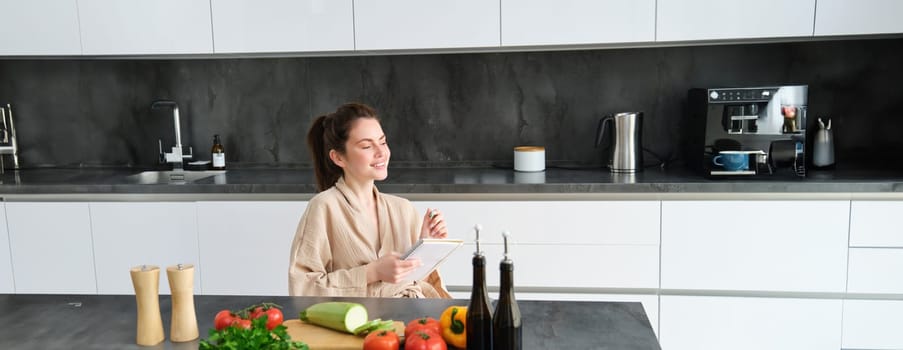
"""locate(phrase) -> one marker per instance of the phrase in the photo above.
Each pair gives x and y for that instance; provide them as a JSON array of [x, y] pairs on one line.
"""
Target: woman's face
[[366, 151]]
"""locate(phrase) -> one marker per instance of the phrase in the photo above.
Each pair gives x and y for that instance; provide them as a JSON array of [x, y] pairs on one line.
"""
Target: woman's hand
[[433, 225], [390, 268]]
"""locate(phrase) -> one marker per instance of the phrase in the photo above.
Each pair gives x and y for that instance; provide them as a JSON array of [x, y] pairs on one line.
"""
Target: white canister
[[529, 158]]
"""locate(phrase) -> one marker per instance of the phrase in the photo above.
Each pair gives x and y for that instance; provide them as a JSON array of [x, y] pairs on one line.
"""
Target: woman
[[350, 236]]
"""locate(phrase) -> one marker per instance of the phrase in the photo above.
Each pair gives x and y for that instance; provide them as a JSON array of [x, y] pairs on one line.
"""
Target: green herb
[[257, 337]]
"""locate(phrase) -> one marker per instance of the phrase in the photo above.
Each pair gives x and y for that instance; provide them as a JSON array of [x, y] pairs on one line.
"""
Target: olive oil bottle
[[218, 153], [479, 315], [507, 330]]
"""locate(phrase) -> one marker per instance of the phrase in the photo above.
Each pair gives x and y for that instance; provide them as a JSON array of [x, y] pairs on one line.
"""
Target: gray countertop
[[109, 321], [486, 181]]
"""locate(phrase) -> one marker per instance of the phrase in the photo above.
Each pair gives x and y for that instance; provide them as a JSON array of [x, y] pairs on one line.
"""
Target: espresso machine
[[748, 132]]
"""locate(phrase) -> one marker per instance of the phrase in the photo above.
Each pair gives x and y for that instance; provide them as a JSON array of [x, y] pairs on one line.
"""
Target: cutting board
[[321, 338]]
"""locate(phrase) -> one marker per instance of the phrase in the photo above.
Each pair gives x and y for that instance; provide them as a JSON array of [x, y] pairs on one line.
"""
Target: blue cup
[[732, 160]]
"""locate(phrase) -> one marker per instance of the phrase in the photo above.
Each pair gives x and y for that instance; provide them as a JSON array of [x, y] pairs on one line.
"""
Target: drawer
[[876, 224], [872, 324], [875, 270]]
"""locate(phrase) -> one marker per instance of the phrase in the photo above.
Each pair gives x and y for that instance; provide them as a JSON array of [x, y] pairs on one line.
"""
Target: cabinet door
[[679, 20], [245, 246], [872, 324], [700, 323], [133, 234], [39, 27], [425, 24], [7, 285], [540, 22], [875, 270], [112, 27], [282, 25], [846, 17], [51, 247], [876, 224], [796, 246]]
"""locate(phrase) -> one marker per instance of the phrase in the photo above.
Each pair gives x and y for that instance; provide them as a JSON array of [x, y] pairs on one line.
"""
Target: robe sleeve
[[434, 279], [311, 254]]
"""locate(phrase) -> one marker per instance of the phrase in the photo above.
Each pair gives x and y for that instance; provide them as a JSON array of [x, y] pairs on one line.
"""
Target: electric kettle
[[626, 146]]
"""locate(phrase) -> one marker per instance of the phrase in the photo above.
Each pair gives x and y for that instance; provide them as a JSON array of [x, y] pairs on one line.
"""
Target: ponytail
[[330, 132]]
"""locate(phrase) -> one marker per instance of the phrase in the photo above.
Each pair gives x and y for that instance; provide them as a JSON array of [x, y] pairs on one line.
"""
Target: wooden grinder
[[146, 280], [184, 321]]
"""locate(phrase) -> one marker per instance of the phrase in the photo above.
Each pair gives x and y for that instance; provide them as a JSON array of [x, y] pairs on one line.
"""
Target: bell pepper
[[453, 322]]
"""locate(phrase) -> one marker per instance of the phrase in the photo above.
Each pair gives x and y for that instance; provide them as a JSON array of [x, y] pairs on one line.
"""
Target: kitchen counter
[[109, 321], [454, 183]]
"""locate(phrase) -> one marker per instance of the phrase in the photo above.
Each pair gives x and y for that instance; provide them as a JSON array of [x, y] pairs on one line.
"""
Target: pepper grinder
[[146, 280], [184, 325]]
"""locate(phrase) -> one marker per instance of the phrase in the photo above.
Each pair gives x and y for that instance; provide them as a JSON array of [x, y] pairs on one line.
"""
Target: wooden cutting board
[[321, 338]]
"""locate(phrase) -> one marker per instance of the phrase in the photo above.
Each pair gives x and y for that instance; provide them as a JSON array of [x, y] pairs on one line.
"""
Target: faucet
[[175, 157]]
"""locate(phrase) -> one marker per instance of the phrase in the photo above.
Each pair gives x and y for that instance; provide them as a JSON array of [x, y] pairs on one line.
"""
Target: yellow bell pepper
[[453, 323]]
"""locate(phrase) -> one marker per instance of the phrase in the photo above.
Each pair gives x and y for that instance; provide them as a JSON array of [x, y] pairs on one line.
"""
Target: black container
[[479, 316], [507, 328]]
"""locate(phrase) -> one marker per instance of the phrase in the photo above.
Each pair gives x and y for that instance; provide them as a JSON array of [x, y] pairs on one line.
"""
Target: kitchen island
[[109, 321]]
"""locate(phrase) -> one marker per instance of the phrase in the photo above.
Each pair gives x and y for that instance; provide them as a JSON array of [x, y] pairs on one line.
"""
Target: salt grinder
[[184, 325], [146, 280]]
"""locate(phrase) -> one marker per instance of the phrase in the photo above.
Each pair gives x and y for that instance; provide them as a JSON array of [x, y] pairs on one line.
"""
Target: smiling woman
[[350, 236]]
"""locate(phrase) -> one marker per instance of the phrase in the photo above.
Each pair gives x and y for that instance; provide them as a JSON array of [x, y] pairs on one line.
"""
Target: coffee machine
[[748, 132]]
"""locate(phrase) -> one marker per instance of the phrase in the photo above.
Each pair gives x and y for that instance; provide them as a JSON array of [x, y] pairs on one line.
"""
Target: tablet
[[431, 252]]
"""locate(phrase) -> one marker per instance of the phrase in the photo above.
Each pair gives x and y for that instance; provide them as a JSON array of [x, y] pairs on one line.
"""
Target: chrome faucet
[[8, 143], [176, 156]]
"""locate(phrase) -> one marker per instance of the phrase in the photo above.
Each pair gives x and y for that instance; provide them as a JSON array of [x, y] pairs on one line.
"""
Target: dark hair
[[330, 132]]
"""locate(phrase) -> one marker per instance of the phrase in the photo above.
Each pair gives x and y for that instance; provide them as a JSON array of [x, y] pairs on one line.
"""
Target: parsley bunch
[[257, 337]]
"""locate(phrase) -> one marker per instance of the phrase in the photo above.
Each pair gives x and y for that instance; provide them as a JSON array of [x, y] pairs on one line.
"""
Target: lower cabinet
[[7, 285], [51, 247], [700, 323], [872, 324], [129, 234], [244, 246]]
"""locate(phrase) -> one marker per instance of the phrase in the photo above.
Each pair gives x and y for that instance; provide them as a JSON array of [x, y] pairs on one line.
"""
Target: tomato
[[274, 317], [223, 319], [423, 324], [381, 340], [421, 340], [241, 323], [257, 312]]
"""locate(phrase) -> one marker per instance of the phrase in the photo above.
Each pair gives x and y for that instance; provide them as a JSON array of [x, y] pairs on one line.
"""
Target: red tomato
[[223, 319], [274, 317], [421, 340], [241, 323], [423, 324], [381, 340], [257, 312]]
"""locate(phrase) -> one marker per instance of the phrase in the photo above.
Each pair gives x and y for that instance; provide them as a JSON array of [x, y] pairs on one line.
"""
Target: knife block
[[146, 280], [184, 326]]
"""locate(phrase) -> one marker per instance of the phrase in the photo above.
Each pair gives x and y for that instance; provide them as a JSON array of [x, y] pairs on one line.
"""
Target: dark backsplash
[[448, 109]]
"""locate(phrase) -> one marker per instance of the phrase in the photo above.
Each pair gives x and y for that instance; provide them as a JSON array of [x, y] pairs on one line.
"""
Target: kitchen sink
[[171, 177]]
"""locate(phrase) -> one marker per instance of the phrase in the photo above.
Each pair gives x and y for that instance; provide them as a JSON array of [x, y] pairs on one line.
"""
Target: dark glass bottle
[[507, 330], [218, 153], [479, 315]]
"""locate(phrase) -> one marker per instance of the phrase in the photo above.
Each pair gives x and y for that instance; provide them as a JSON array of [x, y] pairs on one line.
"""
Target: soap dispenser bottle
[[507, 330], [218, 153], [479, 316]]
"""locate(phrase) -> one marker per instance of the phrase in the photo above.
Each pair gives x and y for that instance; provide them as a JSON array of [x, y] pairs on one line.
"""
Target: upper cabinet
[[540, 22], [684, 20], [39, 27], [425, 24], [846, 17], [242, 26], [115, 27]]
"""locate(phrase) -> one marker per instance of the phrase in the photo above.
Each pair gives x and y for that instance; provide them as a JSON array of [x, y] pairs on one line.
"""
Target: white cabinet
[[540, 22], [425, 24], [39, 27], [7, 285], [876, 224], [680, 20], [872, 324], [702, 323], [245, 246], [133, 234], [798, 246], [114, 27], [282, 25], [875, 270], [848, 17], [51, 247]]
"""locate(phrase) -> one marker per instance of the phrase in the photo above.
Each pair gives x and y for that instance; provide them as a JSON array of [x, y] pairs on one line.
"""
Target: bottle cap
[[476, 229], [505, 236]]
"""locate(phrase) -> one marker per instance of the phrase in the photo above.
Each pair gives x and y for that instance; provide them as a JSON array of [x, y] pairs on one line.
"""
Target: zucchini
[[337, 315]]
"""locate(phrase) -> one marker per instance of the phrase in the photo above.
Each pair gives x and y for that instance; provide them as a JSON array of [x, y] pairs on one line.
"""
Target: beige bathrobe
[[334, 242]]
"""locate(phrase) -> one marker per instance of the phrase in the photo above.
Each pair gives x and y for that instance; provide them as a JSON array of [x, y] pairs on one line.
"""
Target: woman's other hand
[[433, 225], [390, 268]]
